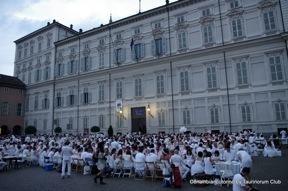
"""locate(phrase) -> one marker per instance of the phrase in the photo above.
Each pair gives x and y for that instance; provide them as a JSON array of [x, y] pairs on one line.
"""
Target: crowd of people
[[192, 154]]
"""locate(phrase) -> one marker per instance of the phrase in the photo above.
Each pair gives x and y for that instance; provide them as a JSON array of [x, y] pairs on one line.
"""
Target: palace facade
[[202, 64]]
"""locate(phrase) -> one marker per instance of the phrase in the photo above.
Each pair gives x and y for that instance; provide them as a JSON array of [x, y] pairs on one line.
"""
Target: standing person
[[66, 159]]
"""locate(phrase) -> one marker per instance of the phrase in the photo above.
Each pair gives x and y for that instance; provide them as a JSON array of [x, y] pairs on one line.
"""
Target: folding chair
[[149, 170]]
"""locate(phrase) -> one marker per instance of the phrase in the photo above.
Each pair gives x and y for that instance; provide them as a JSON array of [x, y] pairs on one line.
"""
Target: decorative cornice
[[157, 32], [264, 4], [206, 19], [235, 12], [182, 25]]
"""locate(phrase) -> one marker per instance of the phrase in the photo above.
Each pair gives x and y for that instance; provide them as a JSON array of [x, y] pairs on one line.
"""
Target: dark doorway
[[4, 130], [138, 116], [17, 130]]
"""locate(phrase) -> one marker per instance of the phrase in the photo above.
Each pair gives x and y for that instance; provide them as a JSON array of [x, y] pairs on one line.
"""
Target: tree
[[30, 130], [95, 129], [110, 131], [58, 130]]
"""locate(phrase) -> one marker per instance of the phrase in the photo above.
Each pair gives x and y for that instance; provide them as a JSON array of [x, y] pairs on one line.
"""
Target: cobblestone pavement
[[37, 179]]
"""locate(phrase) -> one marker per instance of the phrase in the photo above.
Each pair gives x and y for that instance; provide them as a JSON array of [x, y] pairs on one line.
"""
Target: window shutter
[[62, 101], [48, 103], [56, 72], [62, 69], [82, 64], [40, 74], [142, 50], [48, 73], [82, 98], [90, 63], [43, 107], [153, 48], [68, 100], [133, 55], [164, 45], [89, 97], [123, 52], [115, 56]]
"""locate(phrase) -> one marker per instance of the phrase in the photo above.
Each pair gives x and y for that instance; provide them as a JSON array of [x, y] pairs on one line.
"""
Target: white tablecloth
[[233, 166]]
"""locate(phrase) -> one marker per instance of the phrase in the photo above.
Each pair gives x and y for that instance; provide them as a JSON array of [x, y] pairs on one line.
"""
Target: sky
[[21, 17]]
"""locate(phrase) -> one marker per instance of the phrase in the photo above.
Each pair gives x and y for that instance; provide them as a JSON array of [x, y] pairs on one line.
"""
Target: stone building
[[206, 65]]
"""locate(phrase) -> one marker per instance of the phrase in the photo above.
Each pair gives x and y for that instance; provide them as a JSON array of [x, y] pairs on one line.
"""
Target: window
[[23, 77], [85, 122], [242, 73], [37, 75], [157, 25], [39, 46], [86, 65], [70, 123], [35, 123], [45, 103], [234, 4], [85, 96], [119, 90], [101, 121], [101, 42], [57, 122], [161, 118], [119, 121], [237, 28], [71, 67], [25, 52], [31, 50], [19, 109], [180, 19], [206, 13], [138, 87], [36, 102], [118, 36], [211, 77], [182, 40], [71, 98], [19, 54], [120, 55], [280, 111], [246, 113], [186, 117], [101, 60], [214, 114], [58, 99], [276, 68], [160, 84], [47, 73], [207, 33], [139, 51], [269, 21], [101, 92], [184, 81], [48, 42], [158, 46], [4, 108], [59, 69], [137, 31]]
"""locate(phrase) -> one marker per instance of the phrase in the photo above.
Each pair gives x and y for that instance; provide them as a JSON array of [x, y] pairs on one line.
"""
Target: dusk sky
[[21, 17]]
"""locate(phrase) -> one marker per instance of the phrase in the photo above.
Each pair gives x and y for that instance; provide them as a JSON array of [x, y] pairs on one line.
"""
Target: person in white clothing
[[66, 159], [239, 181], [151, 157], [283, 134], [244, 158]]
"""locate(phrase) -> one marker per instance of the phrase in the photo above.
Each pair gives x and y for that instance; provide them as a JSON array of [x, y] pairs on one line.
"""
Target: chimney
[[71, 26], [54, 20], [48, 23], [167, 2], [80, 31]]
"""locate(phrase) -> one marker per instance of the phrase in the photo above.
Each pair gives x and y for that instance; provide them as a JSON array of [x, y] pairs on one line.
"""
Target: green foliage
[[95, 129], [29, 130], [58, 130]]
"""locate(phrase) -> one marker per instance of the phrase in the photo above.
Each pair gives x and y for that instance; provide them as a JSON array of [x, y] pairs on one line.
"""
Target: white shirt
[[151, 157], [140, 157], [176, 160], [246, 160], [238, 183], [67, 152], [85, 155]]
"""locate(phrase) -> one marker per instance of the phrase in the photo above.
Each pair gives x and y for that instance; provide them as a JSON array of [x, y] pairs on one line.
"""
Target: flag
[[132, 43]]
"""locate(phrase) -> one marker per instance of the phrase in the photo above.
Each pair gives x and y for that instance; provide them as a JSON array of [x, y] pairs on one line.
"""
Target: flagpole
[[139, 6]]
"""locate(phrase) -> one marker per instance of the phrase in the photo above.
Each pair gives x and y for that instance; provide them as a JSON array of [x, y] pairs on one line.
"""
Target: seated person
[[197, 167]]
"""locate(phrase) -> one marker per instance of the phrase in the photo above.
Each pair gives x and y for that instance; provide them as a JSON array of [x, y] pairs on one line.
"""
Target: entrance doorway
[[4, 130], [138, 116]]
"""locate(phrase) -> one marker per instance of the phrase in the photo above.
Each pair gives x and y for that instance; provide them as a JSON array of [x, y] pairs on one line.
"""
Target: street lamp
[[149, 110]]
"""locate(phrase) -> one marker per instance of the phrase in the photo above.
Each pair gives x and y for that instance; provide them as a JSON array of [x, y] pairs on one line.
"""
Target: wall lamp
[[149, 111]]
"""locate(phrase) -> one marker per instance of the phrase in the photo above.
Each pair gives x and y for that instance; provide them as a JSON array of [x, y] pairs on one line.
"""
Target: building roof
[[12, 82], [45, 28]]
